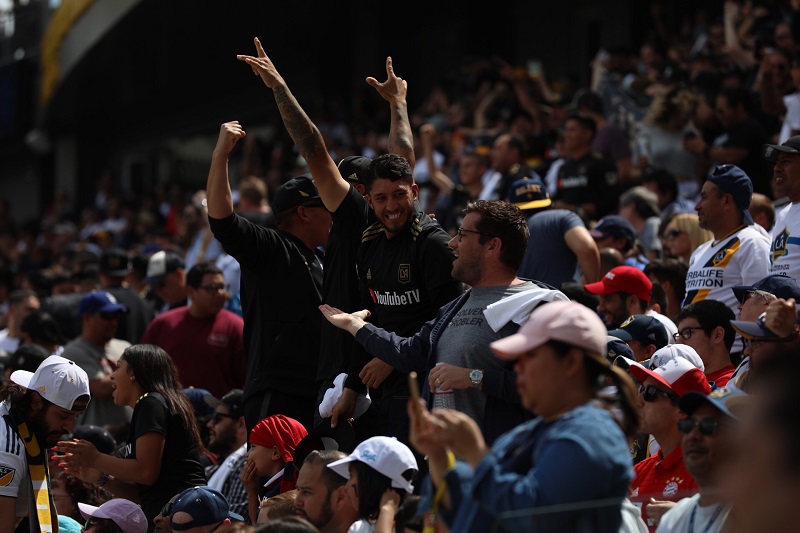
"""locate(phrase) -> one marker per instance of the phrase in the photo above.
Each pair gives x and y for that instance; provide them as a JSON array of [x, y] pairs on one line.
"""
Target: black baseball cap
[[790, 146], [353, 168], [114, 262], [162, 263], [232, 398], [324, 437], [295, 192]]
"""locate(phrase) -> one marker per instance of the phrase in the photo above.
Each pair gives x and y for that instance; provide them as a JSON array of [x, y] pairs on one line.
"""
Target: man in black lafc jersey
[[404, 267]]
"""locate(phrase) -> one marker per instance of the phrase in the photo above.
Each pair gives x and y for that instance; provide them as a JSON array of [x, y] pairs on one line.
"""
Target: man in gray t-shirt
[[452, 350]]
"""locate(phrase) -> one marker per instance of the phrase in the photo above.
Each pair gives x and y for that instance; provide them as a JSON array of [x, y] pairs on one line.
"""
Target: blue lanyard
[[711, 521]]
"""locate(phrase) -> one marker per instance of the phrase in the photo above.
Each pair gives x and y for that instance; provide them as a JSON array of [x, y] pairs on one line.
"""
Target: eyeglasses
[[707, 426], [685, 333], [90, 523], [673, 233], [166, 511], [650, 393], [461, 231], [213, 287], [217, 418]]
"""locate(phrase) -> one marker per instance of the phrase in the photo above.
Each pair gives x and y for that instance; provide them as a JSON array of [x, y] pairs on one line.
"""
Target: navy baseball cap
[[643, 328], [296, 192], [528, 194], [618, 347], [777, 284], [755, 330], [614, 226], [205, 505], [353, 168], [721, 399], [790, 146], [94, 302], [199, 400], [732, 180]]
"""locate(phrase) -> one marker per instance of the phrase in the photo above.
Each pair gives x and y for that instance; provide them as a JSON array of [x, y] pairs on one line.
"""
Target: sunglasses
[[217, 418], [707, 426], [90, 523], [650, 393]]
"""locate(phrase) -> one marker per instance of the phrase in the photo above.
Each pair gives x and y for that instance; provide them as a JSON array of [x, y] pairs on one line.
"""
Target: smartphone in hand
[[413, 387]]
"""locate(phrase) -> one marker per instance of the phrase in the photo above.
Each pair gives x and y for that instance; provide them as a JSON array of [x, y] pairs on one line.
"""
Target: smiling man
[[709, 433], [404, 268], [785, 250]]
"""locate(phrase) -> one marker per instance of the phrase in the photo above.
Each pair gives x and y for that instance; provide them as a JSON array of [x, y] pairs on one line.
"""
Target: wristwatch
[[476, 376]]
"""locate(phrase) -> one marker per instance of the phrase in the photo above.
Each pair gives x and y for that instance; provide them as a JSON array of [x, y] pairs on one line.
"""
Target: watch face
[[475, 375]]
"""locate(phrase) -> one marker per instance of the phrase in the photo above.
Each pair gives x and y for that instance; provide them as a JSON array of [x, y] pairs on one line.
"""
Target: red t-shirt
[[722, 376], [662, 478], [208, 353]]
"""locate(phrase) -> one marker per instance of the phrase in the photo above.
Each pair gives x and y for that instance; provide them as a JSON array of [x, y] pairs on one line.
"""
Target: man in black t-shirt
[[281, 288], [404, 267], [587, 181]]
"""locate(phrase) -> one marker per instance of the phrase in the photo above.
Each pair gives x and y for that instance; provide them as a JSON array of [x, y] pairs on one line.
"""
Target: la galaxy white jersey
[[13, 464], [784, 254], [716, 266]]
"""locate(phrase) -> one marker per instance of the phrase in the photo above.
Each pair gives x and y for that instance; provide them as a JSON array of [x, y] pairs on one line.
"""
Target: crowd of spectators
[[658, 197]]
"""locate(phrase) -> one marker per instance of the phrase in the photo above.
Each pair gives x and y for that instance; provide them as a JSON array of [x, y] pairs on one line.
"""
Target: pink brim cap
[[565, 321]]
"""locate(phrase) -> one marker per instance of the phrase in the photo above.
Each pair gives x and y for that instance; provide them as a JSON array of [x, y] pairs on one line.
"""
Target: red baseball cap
[[627, 279], [677, 374]]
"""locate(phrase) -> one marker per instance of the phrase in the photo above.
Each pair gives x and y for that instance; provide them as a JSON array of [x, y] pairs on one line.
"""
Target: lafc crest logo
[[779, 245], [404, 273], [6, 475], [369, 273]]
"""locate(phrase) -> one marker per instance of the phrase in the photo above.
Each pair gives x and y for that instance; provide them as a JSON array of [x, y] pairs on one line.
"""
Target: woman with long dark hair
[[163, 453]]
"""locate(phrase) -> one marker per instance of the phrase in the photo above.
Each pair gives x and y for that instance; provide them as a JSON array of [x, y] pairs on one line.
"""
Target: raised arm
[[394, 91], [305, 134], [218, 189]]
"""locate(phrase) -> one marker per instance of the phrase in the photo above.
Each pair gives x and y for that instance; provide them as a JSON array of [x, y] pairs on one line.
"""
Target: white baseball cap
[[386, 455], [671, 351], [676, 374], [57, 380]]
